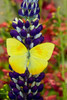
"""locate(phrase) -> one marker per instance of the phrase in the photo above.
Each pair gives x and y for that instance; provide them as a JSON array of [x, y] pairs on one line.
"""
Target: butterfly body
[[35, 59], [28, 54]]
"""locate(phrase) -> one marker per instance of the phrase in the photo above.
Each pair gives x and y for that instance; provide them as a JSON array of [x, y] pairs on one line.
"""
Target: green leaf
[[52, 92], [4, 92]]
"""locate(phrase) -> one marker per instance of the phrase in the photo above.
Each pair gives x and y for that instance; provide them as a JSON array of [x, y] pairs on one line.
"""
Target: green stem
[[62, 55], [62, 43], [63, 71]]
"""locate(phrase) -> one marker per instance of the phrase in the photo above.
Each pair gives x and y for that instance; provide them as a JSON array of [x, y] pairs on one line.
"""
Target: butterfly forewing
[[43, 51], [15, 47]]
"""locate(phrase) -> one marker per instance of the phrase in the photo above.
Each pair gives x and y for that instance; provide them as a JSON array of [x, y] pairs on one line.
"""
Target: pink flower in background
[[4, 24], [3, 54], [5, 71], [51, 7], [1, 83], [47, 38], [59, 75], [17, 1], [1, 41], [51, 82], [44, 5], [53, 97], [49, 15]]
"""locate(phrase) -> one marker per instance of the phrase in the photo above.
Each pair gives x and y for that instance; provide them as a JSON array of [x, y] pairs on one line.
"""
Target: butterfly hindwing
[[36, 65], [18, 63]]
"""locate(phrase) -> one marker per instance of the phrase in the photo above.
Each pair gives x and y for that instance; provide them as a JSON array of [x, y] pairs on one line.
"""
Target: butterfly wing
[[18, 63], [36, 65], [39, 56], [15, 47], [43, 51], [18, 55]]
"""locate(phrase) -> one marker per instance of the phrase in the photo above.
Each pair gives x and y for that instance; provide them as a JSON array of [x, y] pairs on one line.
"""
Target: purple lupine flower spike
[[26, 86]]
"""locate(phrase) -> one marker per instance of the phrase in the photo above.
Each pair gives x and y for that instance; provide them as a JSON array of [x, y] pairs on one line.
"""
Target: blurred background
[[53, 15]]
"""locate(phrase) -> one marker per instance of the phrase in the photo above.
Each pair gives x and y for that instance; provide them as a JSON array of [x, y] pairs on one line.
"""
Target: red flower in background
[[1, 40], [51, 7], [51, 82], [44, 5], [47, 38], [5, 71], [53, 97], [17, 1], [4, 24]]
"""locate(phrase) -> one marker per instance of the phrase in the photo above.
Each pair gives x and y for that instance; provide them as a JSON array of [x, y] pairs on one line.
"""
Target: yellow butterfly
[[35, 59]]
